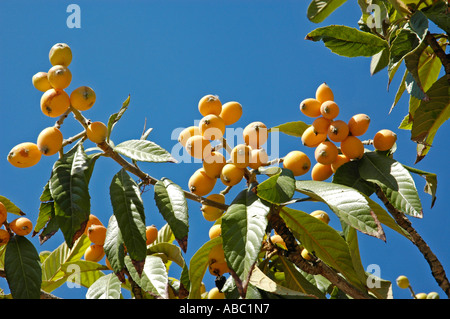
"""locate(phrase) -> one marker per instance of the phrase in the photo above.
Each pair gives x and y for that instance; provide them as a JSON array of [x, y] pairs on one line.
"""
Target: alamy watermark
[[74, 19]]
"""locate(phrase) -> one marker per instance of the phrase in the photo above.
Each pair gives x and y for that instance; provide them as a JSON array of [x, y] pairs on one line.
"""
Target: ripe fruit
[[358, 124], [21, 226], [212, 127], [298, 162], [94, 253], [402, 282], [151, 233], [82, 98], [255, 134], [215, 231], [213, 164], [433, 295], [54, 102], [50, 141], [60, 54], [277, 239], [231, 112], [311, 138], [258, 158], [59, 77], [218, 268], [200, 183], [211, 213], [338, 131], [310, 107], [198, 147], [97, 132], [421, 295], [384, 140], [231, 174], [341, 159], [240, 155], [24, 155], [306, 255], [321, 215], [4, 237], [352, 147], [3, 213], [321, 172], [324, 93], [321, 125], [97, 234], [216, 254], [329, 110], [186, 133], [215, 293], [40, 81], [326, 153], [210, 104]]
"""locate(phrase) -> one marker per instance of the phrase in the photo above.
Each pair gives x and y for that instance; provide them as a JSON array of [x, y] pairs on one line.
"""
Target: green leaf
[[279, 188], [114, 118], [348, 42], [155, 279], [348, 175], [23, 268], [144, 151], [106, 287], [431, 182], [69, 187], [347, 203], [319, 10], [114, 245], [439, 14], [10, 206], [243, 230], [129, 211], [46, 210], [379, 61], [171, 202], [291, 128]]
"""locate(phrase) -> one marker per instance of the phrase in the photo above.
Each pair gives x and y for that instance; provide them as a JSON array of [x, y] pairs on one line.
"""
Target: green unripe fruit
[[403, 282]]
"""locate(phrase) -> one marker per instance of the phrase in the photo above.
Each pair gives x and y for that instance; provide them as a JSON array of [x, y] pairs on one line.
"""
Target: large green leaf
[[155, 279], [319, 10], [114, 245], [144, 151], [439, 14], [129, 211], [171, 202], [394, 180], [348, 174], [279, 188], [10, 206], [243, 230], [347, 41], [106, 287], [291, 128], [431, 182], [23, 268]]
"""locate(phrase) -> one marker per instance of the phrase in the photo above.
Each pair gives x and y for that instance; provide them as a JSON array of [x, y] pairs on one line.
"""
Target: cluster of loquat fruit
[[56, 102], [20, 226], [326, 131]]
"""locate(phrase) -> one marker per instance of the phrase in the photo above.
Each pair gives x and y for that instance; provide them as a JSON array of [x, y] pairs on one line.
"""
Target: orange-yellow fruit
[[211, 213], [240, 155], [97, 234], [151, 233], [298, 162], [255, 134], [338, 131], [306, 255], [277, 239], [358, 124], [210, 104], [341, 159], [97, 132], [59, 77], [200, 183], [50, 141], [218, 268], [231, 174], [321, 215], [216, 254], [310, 107], [384, 140], [321, 125], [40, 81], [24, 155], [4, 237], [188, 132], [212, 127], [21, 226], [55, 102], [352, 147], [258, 158], [326, 153], [329, 110], [198, 147], [3, 213], [94, 253], [60, 54], [215, 293], [82, 98], [213, 164], [311, 138], [321, 172], [231, 112], [93, 220], [215, 231], [324, 93]]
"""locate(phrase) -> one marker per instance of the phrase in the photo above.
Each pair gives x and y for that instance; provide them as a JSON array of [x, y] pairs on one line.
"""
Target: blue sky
[[167, 55]]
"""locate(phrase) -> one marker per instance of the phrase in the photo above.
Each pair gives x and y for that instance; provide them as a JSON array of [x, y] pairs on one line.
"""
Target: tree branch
[[440, 53]]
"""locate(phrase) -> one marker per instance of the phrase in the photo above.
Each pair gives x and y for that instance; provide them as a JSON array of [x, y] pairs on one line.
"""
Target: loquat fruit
[[97, 234], [211, 213], [24, 155], [321, 215], [310, 107], [277, 239], [321, 125], [215, 231], [82, 98], [212, 127], [188, 132], [4, 237], [433, 295], [352, 147], [231, 112], [215, 293], [218, 268], [341, 159], [402, 282], [329, 110], [151, 233], [210, 104], [54, 102], [255, 134], [213, 164], [358, 124], [3, 213], [93, 220], [50, 141], [321, 172], [337, 131], [216, 254], [59, 77], [298, 162], [384, 140], [258, 158], [324, 93], [421, 295], [231, 174], [40, 81], [306, 255], [198, 147], [311, 138], [240, 155], [97, 132], [200, 183], [21, 226], [60, 54], [94, 253], [326, 153]]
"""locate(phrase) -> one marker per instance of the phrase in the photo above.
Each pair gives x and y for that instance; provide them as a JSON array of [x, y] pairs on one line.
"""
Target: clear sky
[[167, 55]]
